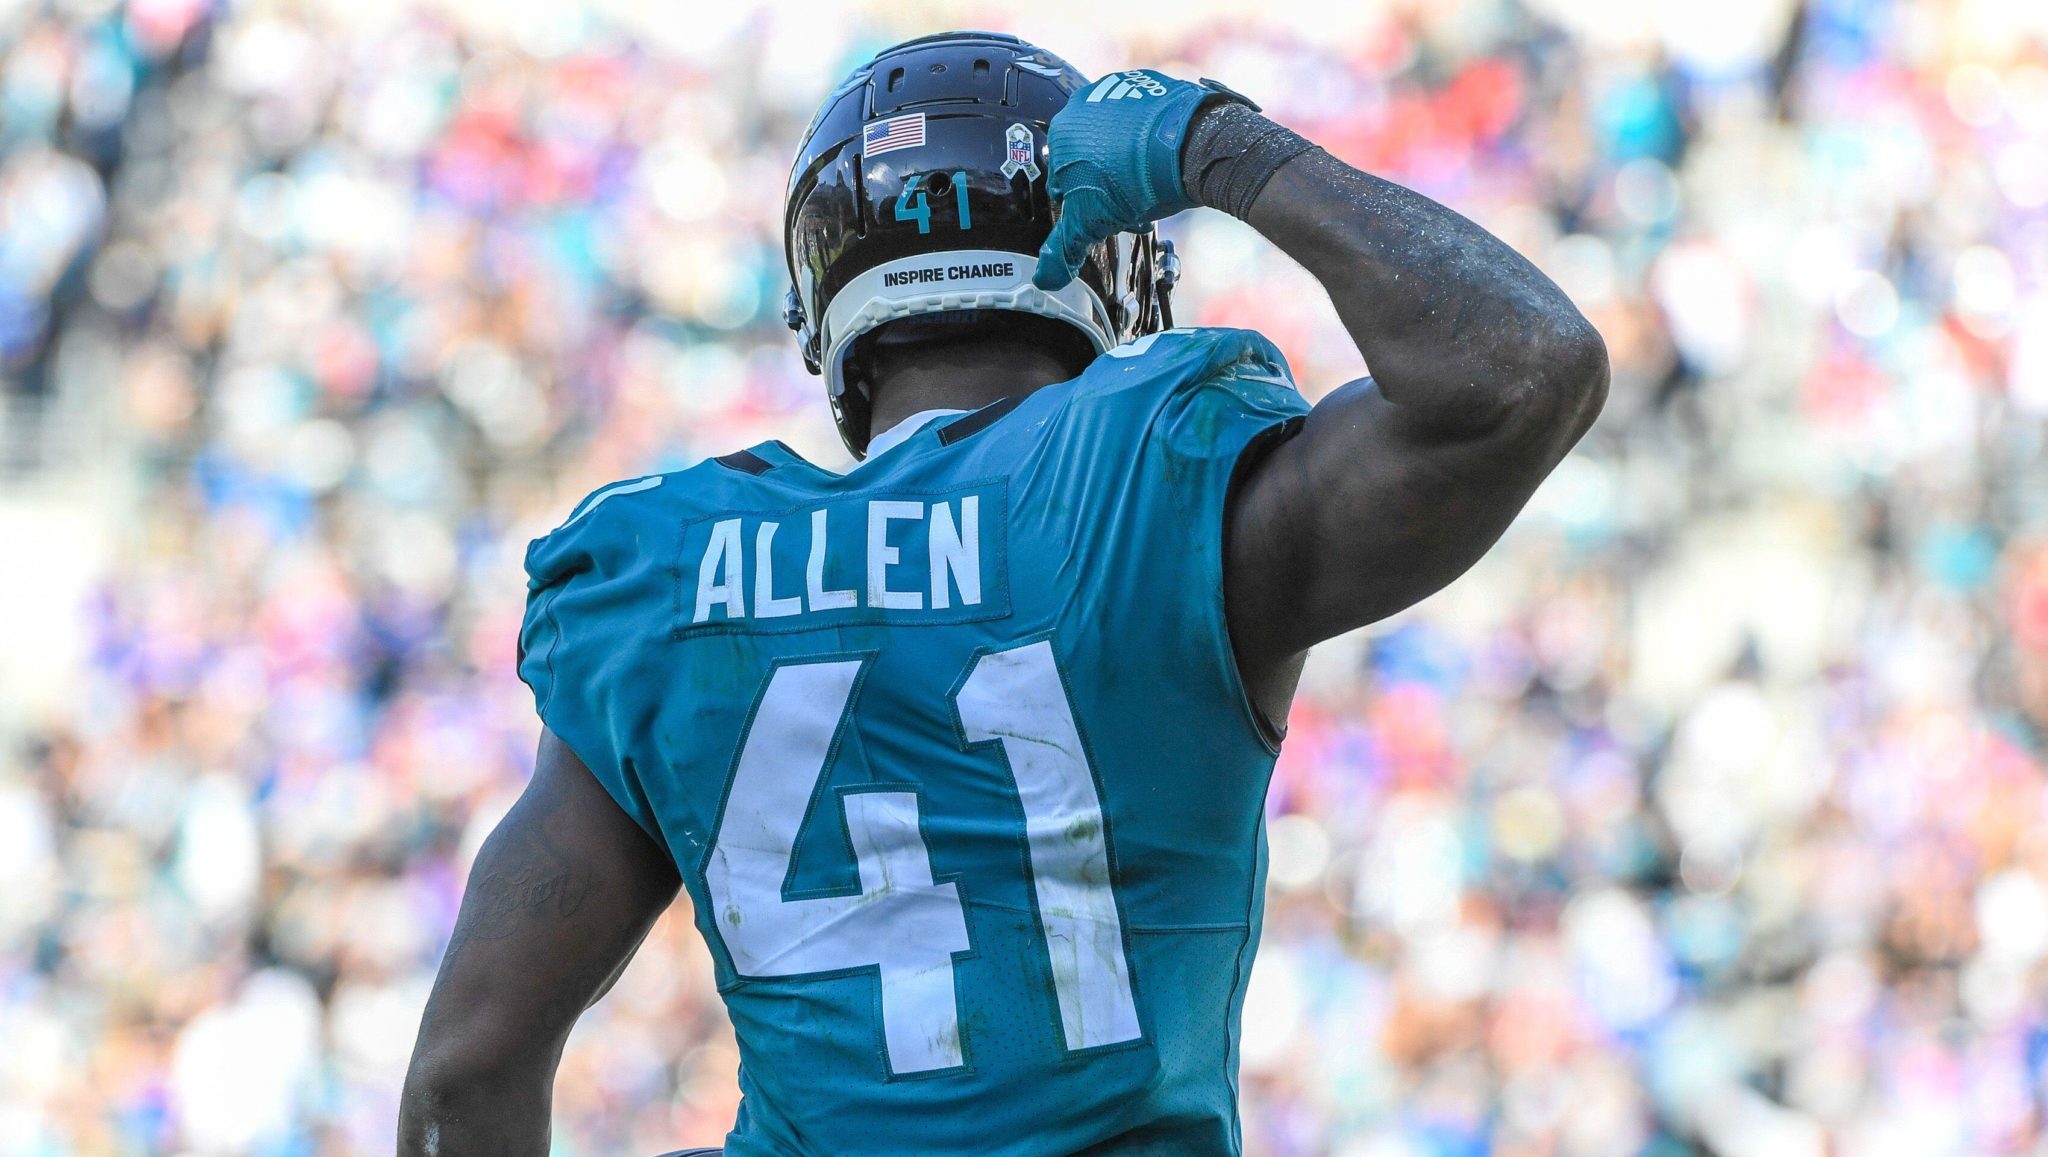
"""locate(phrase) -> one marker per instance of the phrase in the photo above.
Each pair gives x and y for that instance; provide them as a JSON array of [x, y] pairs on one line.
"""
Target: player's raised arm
[[1484, 374], [560, 896]]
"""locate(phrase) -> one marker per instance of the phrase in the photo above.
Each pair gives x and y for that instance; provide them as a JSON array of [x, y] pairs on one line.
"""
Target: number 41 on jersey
[[903, 923]]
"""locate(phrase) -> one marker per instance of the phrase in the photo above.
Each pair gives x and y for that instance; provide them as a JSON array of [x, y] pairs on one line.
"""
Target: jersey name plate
[[878, 557]]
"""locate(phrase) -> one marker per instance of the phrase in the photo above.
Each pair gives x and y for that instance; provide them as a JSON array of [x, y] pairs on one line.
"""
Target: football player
[[962, 754]]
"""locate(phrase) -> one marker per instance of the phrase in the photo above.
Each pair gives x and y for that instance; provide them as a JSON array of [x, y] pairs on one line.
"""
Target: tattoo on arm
[[536, 882], [521, 876]]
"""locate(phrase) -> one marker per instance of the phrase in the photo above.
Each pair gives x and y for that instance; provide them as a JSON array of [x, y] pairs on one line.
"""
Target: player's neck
[[960, 379]]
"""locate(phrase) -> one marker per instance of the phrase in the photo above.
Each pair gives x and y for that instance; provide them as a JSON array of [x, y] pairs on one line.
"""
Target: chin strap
[[1162, 286], [806, 337]]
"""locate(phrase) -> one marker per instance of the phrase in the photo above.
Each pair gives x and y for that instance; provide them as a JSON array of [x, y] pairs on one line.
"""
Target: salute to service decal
[[1018, 138]]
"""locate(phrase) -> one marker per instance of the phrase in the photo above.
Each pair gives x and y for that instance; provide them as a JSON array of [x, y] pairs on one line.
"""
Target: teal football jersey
[[951, 754]]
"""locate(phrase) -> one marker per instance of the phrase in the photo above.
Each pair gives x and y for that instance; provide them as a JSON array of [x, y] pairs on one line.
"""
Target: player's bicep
[[1364, 513], [559, 898]]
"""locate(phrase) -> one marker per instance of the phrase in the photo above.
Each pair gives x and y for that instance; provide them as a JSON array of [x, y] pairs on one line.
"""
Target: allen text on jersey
[[869, 558]]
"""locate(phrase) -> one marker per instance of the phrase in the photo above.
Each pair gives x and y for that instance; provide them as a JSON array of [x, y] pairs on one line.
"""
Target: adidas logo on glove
[[1134, 83]]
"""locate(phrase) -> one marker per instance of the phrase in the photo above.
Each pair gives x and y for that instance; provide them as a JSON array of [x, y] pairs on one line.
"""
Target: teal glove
[[1115, 163]]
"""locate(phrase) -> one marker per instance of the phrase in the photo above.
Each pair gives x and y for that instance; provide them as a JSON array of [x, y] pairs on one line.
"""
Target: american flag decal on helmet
[[904, 132]]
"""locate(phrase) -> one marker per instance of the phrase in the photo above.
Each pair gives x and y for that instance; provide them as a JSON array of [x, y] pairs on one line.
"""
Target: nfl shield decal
[[1018, 138]]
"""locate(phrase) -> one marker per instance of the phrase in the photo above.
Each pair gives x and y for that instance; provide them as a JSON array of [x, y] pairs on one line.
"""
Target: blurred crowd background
[[1705, 816]]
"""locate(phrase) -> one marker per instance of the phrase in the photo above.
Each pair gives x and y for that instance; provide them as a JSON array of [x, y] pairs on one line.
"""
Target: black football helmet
[[919, 190]]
